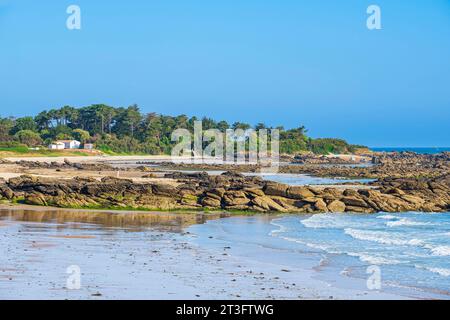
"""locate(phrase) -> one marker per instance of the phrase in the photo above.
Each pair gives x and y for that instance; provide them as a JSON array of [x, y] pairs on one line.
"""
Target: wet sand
[[142, 256]]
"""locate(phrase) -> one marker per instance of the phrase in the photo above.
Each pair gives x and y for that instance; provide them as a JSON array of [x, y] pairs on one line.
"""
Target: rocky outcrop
[[231, 191], [94, 166], [385, 165]]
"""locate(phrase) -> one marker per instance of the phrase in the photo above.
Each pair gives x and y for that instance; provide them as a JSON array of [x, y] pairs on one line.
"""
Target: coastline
[[401, 183], [155, 264], [203, 241]]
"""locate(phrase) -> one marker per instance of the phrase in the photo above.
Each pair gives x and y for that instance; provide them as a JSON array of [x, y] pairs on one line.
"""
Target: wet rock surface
[[231, 191]]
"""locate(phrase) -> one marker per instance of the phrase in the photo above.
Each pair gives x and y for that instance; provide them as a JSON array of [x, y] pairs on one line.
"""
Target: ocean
[[411, 250], [425, 150]]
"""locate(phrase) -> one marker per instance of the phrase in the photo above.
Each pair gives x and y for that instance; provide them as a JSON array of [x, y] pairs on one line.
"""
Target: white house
[[70, 144], [57, 146]]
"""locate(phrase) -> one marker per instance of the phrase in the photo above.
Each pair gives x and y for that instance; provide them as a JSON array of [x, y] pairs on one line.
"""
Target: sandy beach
[[143, 262]]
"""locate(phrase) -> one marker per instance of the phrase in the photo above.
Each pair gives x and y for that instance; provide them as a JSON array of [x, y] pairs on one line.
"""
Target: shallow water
[[304, 179], [412, 249]]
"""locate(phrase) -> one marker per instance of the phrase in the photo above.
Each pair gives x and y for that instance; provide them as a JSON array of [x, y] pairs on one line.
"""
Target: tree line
[[127, 130]]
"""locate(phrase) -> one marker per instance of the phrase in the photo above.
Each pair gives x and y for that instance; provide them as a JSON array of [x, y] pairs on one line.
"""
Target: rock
[[233, 174], [190, 200], [311, 200], [336, 206], [211, 202], [355, 209], [275, 189], [218, 192], [165, 190], [331, 194], [350, 193], [254, 192], [235, 198], [267, 204], [6, 192], [396, 191], [354, 201], [238, 208], [288, 204], [299, 193], [35, 199], [321, 206], [114, 180], [413, 200]]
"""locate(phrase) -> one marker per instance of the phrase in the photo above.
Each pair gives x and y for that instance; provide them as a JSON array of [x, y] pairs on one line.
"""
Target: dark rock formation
[[232, 191]]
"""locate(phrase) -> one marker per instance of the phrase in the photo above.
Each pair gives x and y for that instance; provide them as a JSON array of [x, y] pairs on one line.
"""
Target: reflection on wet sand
[[171, 221]]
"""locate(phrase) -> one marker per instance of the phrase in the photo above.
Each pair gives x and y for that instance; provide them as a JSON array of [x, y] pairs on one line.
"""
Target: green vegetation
[[124, 131]]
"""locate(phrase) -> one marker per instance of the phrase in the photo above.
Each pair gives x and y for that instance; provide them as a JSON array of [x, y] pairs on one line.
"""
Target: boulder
[[275, 189], [299, 193], [350, 193], [35, 199], [6, 192], [321, 206], [354, 201], [254, 192], [235, 198], [336, 206], [211, 202], [165, 190], [267, 204]]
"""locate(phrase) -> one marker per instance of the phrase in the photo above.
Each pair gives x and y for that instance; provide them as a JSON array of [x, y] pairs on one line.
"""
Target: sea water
[[304, 179], [411, 249], [424, 150]]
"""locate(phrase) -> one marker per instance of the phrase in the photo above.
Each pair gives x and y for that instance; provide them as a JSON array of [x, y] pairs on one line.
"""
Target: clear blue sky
[[279, 62]]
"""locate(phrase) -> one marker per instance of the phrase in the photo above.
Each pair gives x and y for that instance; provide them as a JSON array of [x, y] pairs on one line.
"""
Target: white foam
[[442, 251], [332, 221], [311, 245], [281, 228], [371, 259], [382, 237], [441, 271], [387, 217], [406, 222]]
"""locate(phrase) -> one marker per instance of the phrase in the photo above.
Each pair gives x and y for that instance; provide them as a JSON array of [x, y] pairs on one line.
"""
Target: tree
[[240, 125], [81, 135], [28, 137], [222, 126], [260, 126], [127, 120], [43, 120], [6, 124], [25, 123]]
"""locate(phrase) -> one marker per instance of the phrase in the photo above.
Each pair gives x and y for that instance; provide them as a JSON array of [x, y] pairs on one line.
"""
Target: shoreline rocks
[[231, 191]]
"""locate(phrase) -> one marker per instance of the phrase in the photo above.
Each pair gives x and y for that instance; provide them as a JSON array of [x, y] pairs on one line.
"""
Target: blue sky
[[279, 62]]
